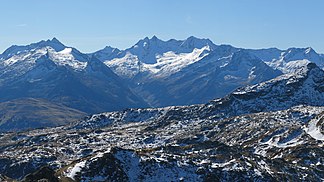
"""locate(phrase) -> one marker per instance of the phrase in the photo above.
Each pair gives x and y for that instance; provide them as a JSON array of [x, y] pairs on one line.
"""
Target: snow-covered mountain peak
[[109, 49], [300, 87], [15, 49], [300, 54], [26, 57], [148, 49], [309, 50], [53, 43], [298, 51], [107, 53], [292, 59], [240, 59], [126, 67], [166, 64], [307, 69], [194, 42], [304, 87], [310, 70], [150, 44], [69, 57]]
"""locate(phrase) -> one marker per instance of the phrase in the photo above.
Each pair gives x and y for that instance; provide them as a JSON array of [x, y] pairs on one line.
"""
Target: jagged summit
[[54, 39], [299, 53], [54, 43], [309, 71], [110, 49], [154, 38], [148, 49], [15, 49], [188, 43], [107, 53], [291, 59], [194, 42]]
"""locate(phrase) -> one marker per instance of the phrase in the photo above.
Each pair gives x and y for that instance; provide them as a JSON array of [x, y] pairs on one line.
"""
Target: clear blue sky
[[92, 24]]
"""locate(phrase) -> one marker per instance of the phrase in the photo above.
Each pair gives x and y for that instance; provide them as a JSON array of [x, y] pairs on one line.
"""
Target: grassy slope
[[34, 113]]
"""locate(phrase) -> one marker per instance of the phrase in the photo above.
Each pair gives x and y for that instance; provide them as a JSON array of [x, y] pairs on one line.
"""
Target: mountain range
[[152, 73]]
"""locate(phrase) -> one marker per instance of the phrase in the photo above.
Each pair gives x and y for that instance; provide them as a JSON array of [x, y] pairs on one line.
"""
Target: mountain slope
[[66, 76], [160, 72], [106, 53], [155, 55], [14, 50], [289, 60], [305, 87], [212, 76], [16, 115], [164, 72]]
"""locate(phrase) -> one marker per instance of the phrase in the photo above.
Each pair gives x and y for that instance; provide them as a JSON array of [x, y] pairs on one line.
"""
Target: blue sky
[[90, 25]]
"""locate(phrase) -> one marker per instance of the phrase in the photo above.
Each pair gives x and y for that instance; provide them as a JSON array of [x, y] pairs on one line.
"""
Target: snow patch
[[218, 165], [66, 51], [66, 58], [314, 130], [167, 64], [72, 171]]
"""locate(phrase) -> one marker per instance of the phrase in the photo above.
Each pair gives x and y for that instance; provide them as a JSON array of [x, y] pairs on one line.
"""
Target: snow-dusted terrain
[[62, 75], [153, 72], [166, 64], [259, 115], [161, 71], [272, 131]]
